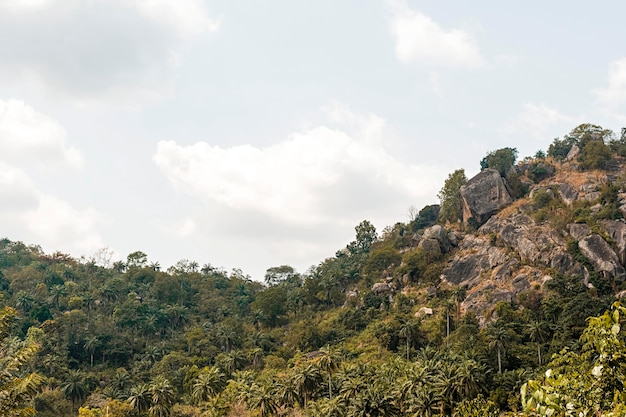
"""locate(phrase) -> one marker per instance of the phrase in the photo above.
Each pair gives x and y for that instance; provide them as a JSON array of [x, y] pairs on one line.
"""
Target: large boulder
[[617, 232], [568, 193], [602, 257], [483, 196]]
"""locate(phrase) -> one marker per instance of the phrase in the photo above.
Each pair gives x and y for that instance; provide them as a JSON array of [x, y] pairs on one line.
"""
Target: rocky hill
[[570, 224]]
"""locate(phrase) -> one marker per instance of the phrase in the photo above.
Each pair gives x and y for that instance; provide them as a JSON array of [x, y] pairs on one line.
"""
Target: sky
[[255, 134]]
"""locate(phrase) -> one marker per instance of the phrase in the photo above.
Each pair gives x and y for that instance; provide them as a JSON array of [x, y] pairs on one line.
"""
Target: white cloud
[[615, 93], [58, 225], [98, 52], [539, 121], [29, 141], [419, 38], [187, 17], [26, 135], [321, 174]]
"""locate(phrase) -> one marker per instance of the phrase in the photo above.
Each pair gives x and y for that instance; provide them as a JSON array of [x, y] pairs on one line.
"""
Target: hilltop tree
[[501, 160], [451, 208]]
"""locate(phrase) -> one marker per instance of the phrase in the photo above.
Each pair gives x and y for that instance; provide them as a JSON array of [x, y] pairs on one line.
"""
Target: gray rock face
[[483, 196], [431, 247], [567, 193], [602, 257], [617, 232], [381, 288], [578, 231], [573, 153]]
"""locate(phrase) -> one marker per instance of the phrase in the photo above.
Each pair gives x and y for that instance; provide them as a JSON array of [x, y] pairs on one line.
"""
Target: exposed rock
[[567, 193], [483, 196], [453, 239], [592, 196], [617, 232], [578, 230], [521, 283], [573, 153], [435, 232], [431, 248], [424, 311], [602, 257], [381, 288]]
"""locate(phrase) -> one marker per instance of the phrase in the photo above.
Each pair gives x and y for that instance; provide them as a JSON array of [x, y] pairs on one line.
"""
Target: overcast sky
[[251, 134]]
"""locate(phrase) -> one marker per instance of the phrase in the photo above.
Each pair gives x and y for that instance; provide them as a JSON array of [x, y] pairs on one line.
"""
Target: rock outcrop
[[602, 257], [617, 232], [483, 196]]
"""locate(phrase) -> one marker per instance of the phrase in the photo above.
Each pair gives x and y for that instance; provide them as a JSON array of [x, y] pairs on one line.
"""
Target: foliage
[[501, 160], [588, 382], [16, 387], [451, 208]]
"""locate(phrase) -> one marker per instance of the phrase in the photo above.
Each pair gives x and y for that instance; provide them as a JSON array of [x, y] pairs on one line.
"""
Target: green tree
[[163, 396], [501, 160], [589, 382], [594, 155], [451, 207], [207, 384], [140, 397], [74, 387], [329, 361], [16, 389]]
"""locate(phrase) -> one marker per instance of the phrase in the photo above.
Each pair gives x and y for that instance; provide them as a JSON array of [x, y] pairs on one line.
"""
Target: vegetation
[[372, 331]]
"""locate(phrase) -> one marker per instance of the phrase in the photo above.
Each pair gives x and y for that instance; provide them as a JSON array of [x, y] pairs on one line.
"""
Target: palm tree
[[56, 292], [119, 383], [16, 388], [498, 336], [74, 387], [163, 394], [206, 384], [90, 345], [140, 397], [329, 360], [256, 356], [24, 301], [537, 332], [408, 328], [305, 380], [262, 397]]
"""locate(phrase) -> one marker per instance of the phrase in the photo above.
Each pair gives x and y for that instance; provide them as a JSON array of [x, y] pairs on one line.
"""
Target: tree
[[537, 331], [501, 160], [206, 384], [499, 336], [451, 207], [140, 397], [163, 395], [16, 390], [365, 236], [90, 345], [74, 387], [594, 155], [588, 382], [329, 360], [277, 274]]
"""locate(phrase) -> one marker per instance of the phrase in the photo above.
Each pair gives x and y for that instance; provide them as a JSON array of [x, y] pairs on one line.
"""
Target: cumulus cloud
[[98, 52], [539, 121], [187, 17], [321, 174], [419, 38], [30, 141], [26, 134], [614, 94]]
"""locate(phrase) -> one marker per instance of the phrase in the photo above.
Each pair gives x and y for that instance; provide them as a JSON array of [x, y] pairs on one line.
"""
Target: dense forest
[[373, 330]]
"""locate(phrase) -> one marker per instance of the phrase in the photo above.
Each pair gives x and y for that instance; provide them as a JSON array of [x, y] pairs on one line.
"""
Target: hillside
[[450, 313]]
